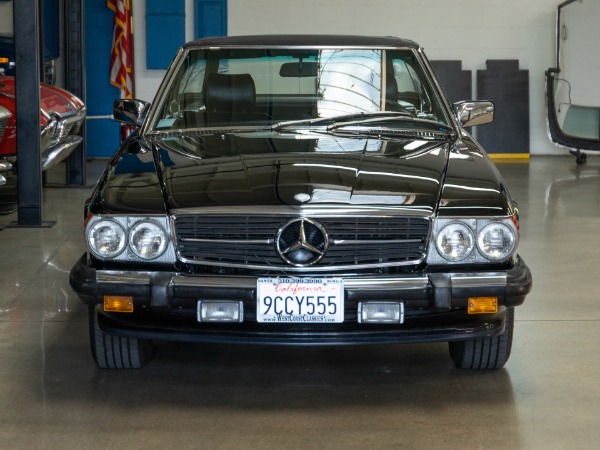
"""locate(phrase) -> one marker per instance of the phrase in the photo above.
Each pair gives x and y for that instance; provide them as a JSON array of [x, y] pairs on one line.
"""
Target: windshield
[[265, 88]]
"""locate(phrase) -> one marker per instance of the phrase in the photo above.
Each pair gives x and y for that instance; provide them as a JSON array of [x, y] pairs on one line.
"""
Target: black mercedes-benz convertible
[[301, 190]]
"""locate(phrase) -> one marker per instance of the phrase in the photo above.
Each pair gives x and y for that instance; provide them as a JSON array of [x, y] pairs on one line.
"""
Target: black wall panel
[[455, 81], [508, 87]]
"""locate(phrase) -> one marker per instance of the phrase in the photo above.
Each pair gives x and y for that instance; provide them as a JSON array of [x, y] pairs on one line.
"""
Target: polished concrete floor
[[194, 396]]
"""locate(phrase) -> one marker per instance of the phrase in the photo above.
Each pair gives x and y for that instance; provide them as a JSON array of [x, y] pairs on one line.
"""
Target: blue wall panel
[[165, 31], [210, 18], [102, 135]]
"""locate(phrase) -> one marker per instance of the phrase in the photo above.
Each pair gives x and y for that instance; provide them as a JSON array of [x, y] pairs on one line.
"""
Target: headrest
[[229, 93]]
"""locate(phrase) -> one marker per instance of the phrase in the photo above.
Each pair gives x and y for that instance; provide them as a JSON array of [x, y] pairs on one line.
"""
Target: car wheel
[[487, 353], [116, 352]]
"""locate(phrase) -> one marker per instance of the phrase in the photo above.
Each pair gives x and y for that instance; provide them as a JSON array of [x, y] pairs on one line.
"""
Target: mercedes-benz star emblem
[[302, 242]]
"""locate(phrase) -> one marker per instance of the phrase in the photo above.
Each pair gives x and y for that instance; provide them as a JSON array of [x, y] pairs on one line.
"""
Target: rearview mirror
[[298, 69]]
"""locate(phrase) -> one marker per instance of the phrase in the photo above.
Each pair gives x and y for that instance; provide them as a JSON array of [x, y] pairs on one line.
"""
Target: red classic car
[[61, 116]]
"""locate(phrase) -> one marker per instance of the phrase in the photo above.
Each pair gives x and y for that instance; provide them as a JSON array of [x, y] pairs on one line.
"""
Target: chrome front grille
[[249, 241], [66, 127]]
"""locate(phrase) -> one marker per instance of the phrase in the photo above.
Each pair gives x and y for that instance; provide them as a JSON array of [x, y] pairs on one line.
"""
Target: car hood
[[252, 169], [162, 174], [301, 170]]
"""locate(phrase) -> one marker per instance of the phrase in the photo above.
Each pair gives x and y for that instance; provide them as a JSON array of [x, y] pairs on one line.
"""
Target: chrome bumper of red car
[[5, 166], [54, 154]]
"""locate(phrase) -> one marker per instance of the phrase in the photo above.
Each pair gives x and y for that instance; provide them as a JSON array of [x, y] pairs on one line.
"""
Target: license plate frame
[[300, 300]]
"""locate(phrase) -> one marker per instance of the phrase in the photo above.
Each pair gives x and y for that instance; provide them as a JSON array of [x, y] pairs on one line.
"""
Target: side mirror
[[131, 112], [474, 113]]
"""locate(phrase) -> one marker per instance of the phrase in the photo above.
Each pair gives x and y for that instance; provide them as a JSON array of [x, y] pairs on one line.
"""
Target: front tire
[[116, 352], [486, 353]]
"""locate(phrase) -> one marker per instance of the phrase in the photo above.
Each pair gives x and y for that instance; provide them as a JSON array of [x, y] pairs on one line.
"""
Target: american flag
[[121, 56]]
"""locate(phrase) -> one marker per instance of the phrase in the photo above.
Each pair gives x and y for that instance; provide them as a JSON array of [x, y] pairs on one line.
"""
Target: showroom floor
[[210, 396]]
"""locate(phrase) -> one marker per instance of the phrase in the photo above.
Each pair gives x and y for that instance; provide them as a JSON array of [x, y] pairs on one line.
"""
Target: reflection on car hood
[[285, 170]]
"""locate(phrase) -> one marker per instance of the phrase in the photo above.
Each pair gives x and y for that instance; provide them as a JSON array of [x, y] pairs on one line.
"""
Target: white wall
[[6, 18], [470, 30]]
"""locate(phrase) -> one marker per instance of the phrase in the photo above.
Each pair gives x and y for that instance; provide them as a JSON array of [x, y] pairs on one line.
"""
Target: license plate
[[306, 300]]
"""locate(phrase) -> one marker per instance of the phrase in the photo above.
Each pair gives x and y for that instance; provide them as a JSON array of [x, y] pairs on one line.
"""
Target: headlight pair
[[473, 240], [147, 239]]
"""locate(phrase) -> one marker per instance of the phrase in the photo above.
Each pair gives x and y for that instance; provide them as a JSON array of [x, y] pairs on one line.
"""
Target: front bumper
[[435, 306], [5, 167], [58, 152]]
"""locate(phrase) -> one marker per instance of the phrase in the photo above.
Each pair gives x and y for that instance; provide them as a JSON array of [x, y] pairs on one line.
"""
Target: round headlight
[[455, 241], [106, 238], [147, 240], [496, 241]]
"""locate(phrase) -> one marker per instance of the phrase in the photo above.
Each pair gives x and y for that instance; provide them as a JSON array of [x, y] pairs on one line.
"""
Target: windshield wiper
[[339, 120], [416, 120], [419, 129]]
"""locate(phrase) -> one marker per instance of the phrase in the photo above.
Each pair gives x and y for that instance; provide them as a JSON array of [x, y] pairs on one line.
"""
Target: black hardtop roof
[[302, 40]]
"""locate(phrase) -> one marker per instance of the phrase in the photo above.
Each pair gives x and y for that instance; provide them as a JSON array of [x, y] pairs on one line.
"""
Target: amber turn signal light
[[4, 60], [483, 305], [117, 303]]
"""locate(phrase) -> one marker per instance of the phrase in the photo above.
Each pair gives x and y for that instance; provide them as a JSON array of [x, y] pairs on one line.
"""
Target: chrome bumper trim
[[386, 284], [316, 211], [117, 277], [349, 284], [471, 280], [475, 280]]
